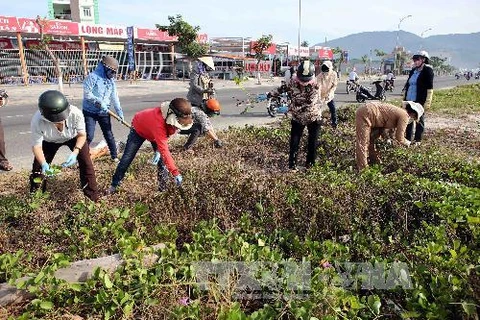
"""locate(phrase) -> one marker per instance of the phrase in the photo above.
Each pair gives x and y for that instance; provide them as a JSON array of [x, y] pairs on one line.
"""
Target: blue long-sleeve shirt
[[98, 89]]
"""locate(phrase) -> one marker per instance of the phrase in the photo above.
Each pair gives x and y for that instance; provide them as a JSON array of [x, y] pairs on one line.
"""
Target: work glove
[[156, 158], [389, 142], [120, 114], [178, 180], [71, 160], [45, 167], [218, 143]]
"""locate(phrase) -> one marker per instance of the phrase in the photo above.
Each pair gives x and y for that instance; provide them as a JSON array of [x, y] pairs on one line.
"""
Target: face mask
[[110, 73], [173, 121]]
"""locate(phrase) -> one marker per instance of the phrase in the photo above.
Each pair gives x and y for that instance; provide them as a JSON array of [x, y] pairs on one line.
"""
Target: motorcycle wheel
[[360, 98], [272, 109], [3, 101]]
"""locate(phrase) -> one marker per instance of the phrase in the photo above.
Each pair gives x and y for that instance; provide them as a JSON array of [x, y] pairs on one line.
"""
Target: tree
[[187, 37], [365, 61], [259, 46], [44, 41], [438, 65], [304, 43], [381, 54], [340, 51]]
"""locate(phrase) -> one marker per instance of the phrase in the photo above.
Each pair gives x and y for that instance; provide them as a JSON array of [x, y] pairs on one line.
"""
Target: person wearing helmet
[[419, 88], [155, 125], [201, 126], [56, 124], [327, 81], [99, 93], [371, 121], [305, 109], [201, 96]]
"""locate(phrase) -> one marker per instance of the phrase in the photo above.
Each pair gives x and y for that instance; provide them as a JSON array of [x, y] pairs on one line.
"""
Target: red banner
[[325, 53], [153, 34], [270, 50], [54, 45], [58, 27], [28, 25], [9, 24], [264, 66], [7, 44]]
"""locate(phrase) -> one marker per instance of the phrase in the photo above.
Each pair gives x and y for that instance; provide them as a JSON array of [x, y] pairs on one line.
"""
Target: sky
[[320, 20]]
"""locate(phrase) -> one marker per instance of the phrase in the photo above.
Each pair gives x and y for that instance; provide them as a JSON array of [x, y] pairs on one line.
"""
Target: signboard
[[9, 24], [130, 49], [58, 27], [270, 50], [323, 52], [304, 51], [27, 25], [55, 45], [7, 44], [102, 31], [153, 34], [264, 66]]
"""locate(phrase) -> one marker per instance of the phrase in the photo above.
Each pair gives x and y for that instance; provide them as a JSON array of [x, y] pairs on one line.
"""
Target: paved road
[[134, 97]]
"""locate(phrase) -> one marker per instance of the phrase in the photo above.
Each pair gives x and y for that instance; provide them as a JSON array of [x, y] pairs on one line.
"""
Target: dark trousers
[[3, 157], [88, 181], [105, 123], [419, 128], [194, 132], [295, 137], [134, 142], [333, 113]]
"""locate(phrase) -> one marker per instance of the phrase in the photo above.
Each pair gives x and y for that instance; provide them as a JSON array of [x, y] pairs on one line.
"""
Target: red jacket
[[149, 124]]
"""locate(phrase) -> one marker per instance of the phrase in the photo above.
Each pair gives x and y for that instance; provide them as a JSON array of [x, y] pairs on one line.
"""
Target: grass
[[420, 207], [457, 101]]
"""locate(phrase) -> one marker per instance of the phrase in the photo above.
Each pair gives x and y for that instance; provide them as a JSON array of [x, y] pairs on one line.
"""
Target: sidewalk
[[140, 87]]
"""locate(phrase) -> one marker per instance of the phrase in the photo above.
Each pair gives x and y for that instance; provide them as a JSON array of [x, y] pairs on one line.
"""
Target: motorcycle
[[364, 93], [389, 85], [277, 104], [3, 98], [351, 86]]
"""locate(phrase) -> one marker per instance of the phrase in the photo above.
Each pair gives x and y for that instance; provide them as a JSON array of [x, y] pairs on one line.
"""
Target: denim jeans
[[419, 128], [105, 123], [134, 142], [295, 137], [333, 113]]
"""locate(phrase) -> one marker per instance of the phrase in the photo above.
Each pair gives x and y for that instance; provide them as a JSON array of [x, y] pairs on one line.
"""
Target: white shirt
[[42, 129], [352, 76], [390, 76]]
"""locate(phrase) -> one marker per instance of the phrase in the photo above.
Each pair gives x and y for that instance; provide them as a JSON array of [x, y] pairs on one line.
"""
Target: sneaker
[[111, 190], [116, 160]]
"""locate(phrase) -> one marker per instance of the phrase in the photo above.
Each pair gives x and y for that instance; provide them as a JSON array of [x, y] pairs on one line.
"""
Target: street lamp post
[[421, 36], [299, 25], [398, 30]]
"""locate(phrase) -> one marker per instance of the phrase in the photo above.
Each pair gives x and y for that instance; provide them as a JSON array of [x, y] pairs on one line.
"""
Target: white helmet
[[423, 54]]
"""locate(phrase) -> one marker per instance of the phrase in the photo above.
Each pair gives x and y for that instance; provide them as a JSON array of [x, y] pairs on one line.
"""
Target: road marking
[[25, 132], [15, 116]]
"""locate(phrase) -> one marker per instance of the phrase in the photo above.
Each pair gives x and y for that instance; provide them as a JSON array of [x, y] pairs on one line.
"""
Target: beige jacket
[[327, 82]]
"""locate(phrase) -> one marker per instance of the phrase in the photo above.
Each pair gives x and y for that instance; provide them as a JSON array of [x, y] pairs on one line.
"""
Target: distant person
[[99, 94], [328, 81], [419, 88], [353, 76]]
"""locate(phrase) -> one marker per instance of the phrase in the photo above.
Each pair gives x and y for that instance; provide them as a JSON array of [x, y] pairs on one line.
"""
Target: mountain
[[461, 50]]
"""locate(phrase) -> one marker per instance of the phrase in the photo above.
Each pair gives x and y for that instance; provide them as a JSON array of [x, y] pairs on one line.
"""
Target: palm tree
[[381, 54], [340, 51], [365, 61]]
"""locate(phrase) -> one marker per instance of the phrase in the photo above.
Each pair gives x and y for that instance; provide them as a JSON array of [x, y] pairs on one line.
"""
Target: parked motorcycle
[[364, 93], [3, 98], [277, 104]]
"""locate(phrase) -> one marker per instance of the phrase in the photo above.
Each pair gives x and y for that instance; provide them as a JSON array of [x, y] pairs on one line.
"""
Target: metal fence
[[41, 69]]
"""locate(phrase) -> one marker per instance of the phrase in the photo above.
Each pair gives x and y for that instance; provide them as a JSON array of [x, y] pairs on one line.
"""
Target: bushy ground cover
[[416, 215]]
